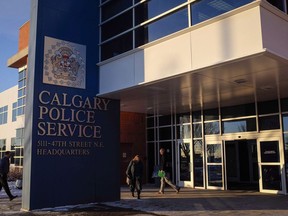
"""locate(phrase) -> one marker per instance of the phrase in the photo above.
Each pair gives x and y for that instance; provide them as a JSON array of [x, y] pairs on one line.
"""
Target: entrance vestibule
[[241, 165]]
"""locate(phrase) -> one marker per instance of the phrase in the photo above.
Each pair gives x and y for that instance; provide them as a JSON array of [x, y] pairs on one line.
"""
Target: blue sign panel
[[71, 136]]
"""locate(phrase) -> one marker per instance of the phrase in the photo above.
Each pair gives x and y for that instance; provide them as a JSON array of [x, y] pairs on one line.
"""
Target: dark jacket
[[134, 169], [4, 165], [163, 163]]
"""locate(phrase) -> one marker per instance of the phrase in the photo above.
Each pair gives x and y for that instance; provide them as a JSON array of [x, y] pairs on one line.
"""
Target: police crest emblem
[[64, 63]]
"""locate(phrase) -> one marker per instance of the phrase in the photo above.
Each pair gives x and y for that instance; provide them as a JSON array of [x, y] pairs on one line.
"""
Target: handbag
[[161, 173]]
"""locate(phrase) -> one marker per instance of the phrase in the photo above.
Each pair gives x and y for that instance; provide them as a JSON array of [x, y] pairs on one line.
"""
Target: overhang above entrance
[[259, 77]]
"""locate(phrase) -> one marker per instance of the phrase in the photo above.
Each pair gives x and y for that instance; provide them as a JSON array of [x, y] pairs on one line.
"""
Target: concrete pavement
[[187, 202]]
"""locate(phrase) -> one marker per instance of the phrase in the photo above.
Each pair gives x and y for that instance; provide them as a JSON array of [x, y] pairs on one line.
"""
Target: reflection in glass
[[160, 28], [184, 151], [214, 153], [242, 125], [198, 163], [185, 131], [206, 9], [212, 128], [197, 130], [215, 175], [271, 177], [117, 46], [150, 9], [285, 122]]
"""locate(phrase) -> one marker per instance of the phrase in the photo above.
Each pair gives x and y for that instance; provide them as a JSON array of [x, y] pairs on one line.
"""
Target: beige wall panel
[[8, 130], [168, 58]]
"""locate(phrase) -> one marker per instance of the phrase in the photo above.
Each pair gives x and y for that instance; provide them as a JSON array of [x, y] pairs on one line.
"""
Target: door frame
[[214, 140], [281, 163]]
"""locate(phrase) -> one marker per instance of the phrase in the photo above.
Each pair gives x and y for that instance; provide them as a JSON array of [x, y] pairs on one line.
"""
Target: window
[[150, 9], [162, 27], [241, 125], [14, 111], [2, 144], [21, 92], [280, 4], [3, 115], [206, 9]]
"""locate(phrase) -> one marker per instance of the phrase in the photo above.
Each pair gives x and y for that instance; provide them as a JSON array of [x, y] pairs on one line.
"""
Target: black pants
[[4, 184], [136, 183]]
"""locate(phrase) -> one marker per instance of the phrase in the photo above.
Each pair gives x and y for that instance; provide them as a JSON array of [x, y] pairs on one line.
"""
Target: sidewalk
[[187, 202]]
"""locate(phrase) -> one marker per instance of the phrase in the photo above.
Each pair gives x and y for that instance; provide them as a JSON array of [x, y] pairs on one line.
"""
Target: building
[[210, 77]]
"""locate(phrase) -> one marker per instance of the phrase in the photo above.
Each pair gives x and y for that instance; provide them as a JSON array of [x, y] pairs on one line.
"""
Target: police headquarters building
[[209, 77]]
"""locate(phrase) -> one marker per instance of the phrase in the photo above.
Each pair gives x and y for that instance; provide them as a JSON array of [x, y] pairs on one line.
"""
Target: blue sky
[[13, 14]]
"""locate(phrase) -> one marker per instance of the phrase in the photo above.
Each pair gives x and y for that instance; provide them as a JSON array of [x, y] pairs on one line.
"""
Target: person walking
[[163, 171], [4, 170], [134, 173]]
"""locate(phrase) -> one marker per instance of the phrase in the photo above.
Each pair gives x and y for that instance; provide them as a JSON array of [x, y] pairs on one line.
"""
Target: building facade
[[211, 79]]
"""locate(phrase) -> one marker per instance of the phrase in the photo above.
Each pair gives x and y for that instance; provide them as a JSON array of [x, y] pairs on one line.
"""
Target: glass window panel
[[198, 163], [214, 153], [150, 135], [183, 118], [206, 9], [285, 122], [184, 132], [212, 128], [197, 130], [268, 107], [286, 156], [162, 27], [211, 114], [269, 151], [269, 122], [21, 84], [165, 133], [117, 46], [14, 105], [150, 122], [238, 111], [117, 25], [150, 9], [284, 104], [113, 7], [243, 125], [184, 155], [164, 120], [215, 175], [271, 177], [278, 4], [196, 116]]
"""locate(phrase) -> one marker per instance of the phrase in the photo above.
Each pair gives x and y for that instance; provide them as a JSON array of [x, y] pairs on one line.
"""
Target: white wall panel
[[168, 58], [118, 74], [275, 31], [230, 38]]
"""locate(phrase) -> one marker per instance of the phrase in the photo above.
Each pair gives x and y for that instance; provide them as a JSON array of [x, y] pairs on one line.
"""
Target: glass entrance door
[[214, 165], [184, 171], [271, 166]]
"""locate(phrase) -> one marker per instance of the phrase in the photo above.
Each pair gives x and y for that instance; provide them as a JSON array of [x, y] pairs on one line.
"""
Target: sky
[[13, 14]]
